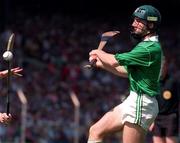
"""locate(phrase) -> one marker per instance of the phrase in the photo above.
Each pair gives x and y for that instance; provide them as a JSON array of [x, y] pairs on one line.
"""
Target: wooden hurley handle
[[104, 38]]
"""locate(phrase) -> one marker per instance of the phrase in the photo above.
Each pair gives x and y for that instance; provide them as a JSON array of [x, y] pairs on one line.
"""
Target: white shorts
[[139, 109]]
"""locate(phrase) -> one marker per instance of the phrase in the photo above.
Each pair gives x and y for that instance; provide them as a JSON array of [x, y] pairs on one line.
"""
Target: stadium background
[[53, 39]]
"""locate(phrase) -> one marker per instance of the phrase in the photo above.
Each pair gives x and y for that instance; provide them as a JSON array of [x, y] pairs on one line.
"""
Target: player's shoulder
[[150, 45]]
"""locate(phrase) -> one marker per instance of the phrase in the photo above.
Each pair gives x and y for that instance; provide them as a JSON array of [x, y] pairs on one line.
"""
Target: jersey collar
[[152, 38]]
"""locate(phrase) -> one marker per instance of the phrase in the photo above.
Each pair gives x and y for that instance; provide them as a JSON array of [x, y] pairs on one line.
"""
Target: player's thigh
[[133, 133], [157, 139], [171, 139], [110, 122]]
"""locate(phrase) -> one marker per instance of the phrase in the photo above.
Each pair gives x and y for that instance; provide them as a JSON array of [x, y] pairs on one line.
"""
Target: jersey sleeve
[[138, 56]]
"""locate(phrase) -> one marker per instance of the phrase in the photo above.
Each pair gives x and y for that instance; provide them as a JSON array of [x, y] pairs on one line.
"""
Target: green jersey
[[143, 65]]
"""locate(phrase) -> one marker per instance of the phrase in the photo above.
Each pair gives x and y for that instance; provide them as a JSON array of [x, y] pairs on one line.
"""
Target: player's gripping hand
[[98, 62], [4, 118]]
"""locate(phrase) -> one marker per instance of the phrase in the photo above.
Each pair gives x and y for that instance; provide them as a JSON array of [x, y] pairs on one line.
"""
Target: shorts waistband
[[135, 93]]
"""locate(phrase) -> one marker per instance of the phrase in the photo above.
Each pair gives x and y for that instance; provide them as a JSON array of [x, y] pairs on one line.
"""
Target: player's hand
[[4, 118], [14, 71], [93, 55], [98, 62], [96, 52]]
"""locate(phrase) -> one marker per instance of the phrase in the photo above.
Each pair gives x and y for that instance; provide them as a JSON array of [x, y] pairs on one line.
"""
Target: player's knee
[[92, 131], [95, 133]]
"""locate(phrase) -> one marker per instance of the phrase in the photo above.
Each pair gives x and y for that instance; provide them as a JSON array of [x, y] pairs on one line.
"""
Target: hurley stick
[[104, 38]]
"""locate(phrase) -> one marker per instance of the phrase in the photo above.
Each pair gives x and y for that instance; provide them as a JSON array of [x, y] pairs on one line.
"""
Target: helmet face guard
[[148, 14]]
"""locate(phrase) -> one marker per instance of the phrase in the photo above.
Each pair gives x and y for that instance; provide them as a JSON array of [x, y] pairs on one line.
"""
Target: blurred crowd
[[52, 50]]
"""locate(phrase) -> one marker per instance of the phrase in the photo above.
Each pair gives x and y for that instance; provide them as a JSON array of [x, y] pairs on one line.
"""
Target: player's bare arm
[[14, 71], [108, 62]]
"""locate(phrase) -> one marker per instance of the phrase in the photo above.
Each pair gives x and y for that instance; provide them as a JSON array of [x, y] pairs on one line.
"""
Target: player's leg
[[172, 139], [109, 123], [140, 113], [158, 139], [133, 133], [172, 128], [159, 129], [166, 129]]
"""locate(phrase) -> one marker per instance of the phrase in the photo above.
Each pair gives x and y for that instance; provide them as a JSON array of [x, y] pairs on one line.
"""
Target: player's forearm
[[108, 59], [111, 64], [118, 70]]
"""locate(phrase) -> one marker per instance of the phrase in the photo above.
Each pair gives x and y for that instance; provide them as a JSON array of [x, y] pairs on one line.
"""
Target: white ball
[[7, 56]]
